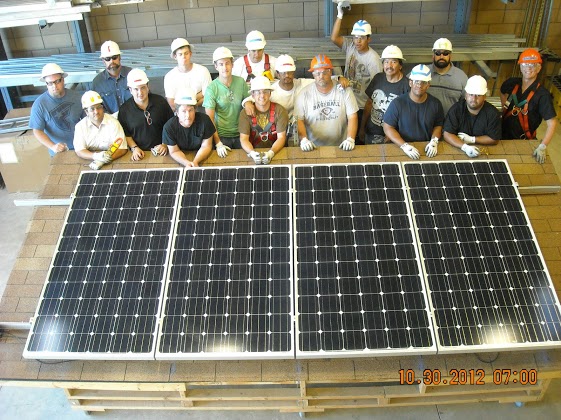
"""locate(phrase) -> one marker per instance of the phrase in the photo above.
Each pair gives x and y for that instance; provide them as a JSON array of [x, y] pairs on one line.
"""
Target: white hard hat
[[476, 85], [420, 72], [137, 77], [285, 63], [391, 51], [185, 96], [91, 97], [442, 44], [108, 49], [221, 52], [49, 69], [255, 40], [259, 83], [362, 27], [177, 44]]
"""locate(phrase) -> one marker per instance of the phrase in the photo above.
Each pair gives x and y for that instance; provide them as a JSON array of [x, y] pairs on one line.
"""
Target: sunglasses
[[148, 118], [54, 82], [443, 53], [113, 57]]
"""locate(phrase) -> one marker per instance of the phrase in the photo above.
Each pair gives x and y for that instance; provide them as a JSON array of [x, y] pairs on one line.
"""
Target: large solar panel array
[[105, 284], [488, 284], [197, 264], [229, 293], [359, 285]]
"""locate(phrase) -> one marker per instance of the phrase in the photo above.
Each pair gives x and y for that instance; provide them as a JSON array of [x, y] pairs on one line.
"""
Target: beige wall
[[156, 23]]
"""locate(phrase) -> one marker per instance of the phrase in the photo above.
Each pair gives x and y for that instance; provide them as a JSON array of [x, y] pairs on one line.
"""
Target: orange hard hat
[[320, 62], [530, 55]]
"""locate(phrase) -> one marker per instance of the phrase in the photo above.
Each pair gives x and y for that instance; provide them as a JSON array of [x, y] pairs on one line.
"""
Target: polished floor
[[37, 403]]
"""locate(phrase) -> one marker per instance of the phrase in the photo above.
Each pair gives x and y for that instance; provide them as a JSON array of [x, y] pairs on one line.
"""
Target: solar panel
[[359, 286], [488, 284], [104, 287], [229, 292]]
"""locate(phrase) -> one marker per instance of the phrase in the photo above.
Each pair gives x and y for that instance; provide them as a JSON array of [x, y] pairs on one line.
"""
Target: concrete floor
[[37, 403]]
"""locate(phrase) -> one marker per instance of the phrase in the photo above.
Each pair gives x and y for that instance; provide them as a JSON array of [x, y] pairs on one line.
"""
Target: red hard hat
[[530, 56], [320, 62]]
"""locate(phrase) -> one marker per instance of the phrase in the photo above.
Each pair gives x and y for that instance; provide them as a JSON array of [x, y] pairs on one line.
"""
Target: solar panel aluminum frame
[[300, 354], [230, 354], [500, 346], [67, 355]]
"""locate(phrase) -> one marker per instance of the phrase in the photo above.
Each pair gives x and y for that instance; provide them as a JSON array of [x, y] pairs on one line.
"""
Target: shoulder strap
[[247, 68], [267, 64]]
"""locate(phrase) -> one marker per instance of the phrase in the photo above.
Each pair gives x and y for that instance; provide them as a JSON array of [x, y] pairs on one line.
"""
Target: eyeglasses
[[231, 95], [318, 73], [443, 53], [360, 37], [261, 92], [529, 65], [54, 82], [94, 108], [113, 57], [148, 118], [419, 82]]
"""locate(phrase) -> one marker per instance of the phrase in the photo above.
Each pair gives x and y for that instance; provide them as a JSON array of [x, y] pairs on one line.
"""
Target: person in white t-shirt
[[362, 63], [97, 132], [256, 62], [186, 74], [327, 115]]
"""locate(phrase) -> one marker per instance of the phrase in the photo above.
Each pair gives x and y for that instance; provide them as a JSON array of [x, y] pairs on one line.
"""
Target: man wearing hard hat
[[326, 115], [361, 61], [448, 81], [415, 116], [381, 91], [188, 130], [526, 103], [473, 121], [223, 102], [186, 74], [111, 83], [143, 117], [97, 132], [54, 113], [267, 128], [256, 62]]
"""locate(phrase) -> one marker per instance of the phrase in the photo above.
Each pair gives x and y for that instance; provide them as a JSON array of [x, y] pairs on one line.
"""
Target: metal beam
[[463, 13], [81, 33]]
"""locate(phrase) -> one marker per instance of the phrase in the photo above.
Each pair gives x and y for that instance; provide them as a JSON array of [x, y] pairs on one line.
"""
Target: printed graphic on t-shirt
[[327, 111], [380, 104], [61, 116]]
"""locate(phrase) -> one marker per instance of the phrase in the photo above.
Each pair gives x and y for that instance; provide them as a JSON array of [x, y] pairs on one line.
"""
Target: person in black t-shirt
[[473, 120], [188, 130]]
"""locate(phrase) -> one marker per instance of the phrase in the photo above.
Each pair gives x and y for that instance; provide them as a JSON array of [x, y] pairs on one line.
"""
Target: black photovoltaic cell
[[359, 285], [105, 284], [488, 284], [229, 292]]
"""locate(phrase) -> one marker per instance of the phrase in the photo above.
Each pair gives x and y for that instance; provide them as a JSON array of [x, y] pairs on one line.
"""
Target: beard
[[441, 64]]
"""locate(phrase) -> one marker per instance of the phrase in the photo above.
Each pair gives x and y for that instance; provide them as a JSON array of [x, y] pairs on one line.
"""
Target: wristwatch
[[133, 147]]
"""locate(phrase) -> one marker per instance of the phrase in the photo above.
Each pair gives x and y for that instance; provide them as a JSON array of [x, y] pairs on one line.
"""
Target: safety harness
[[250, 74], [520, 109], [269, 133]]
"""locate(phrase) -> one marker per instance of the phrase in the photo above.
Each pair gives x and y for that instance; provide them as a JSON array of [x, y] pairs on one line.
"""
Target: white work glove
[[222, 150], [348, 144], [466, 138], [340, 10], [410, 151], [539, 153], [306, 145], [256, 156], [471, 151], [431, 149], [102, 157], [267, 157], [96, 165]]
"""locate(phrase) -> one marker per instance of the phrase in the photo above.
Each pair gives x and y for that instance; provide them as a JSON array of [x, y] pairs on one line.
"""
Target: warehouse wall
[[156, 23]]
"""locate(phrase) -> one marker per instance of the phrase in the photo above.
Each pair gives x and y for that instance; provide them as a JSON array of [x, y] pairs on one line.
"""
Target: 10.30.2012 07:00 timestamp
[[469, 377]]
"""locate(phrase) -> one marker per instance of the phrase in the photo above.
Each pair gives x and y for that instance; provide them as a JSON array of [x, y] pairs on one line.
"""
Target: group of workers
[[256, 104]]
